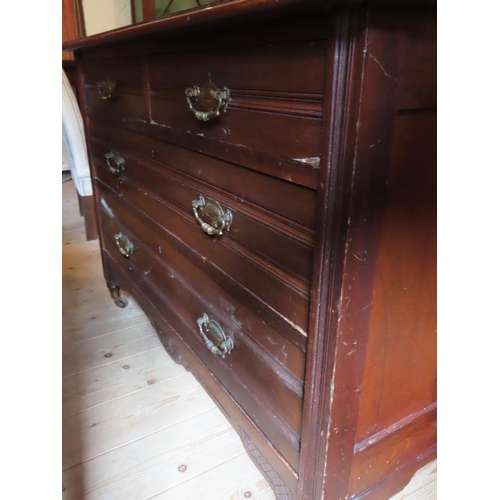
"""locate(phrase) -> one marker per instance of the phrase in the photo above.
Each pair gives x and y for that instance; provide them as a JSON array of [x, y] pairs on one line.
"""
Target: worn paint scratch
[[106, 207], [381, 67], [314, 161], [348, 299]]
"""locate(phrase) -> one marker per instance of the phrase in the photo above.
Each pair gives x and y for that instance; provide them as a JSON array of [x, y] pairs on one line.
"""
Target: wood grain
[[117, 379], [283, 197], [284, 250], [401, 352], [418, 62], [107, 348], [360, 194], [392, 451], [234, 11], [215, 461], [289, 67], [287, 304], [244, 487], [149, 466]]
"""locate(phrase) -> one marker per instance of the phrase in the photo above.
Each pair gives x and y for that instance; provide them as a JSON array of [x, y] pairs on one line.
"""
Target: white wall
[[105, 15]]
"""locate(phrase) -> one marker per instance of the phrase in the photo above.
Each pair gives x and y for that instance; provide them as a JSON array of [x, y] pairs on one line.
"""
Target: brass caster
[[114, 290], [121, 302]]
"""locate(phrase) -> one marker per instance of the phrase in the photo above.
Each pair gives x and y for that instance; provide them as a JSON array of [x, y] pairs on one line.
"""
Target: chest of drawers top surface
[[246, 161]]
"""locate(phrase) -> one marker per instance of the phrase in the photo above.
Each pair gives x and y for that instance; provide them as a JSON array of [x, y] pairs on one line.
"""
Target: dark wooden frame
[[361, 103], [73, 17]]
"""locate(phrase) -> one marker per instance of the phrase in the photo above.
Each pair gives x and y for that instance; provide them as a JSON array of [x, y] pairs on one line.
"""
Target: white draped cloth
[[73, 138]]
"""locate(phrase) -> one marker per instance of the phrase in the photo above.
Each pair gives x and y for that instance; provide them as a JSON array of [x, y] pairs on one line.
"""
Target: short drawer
[[254, 378], [265, 98], [114, 89]]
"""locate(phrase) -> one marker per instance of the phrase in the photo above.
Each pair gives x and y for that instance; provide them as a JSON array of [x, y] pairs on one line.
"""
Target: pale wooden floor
[[135, 424]]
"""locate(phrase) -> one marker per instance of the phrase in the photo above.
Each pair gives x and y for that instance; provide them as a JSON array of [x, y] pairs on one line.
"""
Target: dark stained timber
[[264, 182]]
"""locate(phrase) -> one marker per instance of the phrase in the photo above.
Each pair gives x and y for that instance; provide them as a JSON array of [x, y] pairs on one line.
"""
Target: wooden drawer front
[[275, 297], [129, 100], [281, 299], [283, 67], [276, 95], [282, 255], [101, 168], [267, 295], [169, 336], [254, 379], [283, 201]]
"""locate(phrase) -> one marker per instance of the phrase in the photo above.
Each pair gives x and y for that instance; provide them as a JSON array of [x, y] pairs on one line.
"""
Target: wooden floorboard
[[135, 424], [114, 380], [162, 461], [105, 349]]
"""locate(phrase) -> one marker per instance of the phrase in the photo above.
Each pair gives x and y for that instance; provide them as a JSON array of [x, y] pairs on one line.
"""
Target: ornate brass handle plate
[[211, 101], [222, 344], [125, 246], [116, 163], [106, 88], [210, 210]]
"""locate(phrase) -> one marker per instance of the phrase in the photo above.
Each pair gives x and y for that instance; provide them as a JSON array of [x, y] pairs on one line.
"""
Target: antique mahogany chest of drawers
[[265, 187]]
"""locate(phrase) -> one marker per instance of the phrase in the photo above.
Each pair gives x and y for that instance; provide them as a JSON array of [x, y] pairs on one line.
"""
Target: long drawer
[[230, 296], [263, 266], [264, 388], [173, 342], [270, 298], [246, 228], [286, 201]]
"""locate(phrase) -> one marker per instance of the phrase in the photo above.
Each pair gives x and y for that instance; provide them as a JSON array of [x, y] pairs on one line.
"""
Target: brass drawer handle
[[116, 163], [106, 88], [210, 209], [125, 246], [222, 344], [212, 100]]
